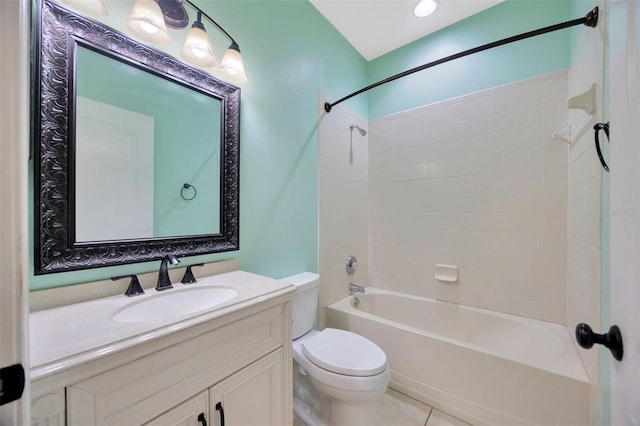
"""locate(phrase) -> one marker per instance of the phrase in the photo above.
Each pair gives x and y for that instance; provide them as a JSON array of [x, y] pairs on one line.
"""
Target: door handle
[[612, 340], [11, 383]]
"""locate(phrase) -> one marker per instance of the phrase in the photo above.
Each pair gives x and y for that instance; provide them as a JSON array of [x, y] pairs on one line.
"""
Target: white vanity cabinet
[[248, 397], [240, 361]]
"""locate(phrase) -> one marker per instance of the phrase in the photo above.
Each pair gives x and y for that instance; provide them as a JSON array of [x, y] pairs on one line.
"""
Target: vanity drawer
[[138, 391]]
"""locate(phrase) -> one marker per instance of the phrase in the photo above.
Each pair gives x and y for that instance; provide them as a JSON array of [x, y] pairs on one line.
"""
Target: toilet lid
[[343, 352]]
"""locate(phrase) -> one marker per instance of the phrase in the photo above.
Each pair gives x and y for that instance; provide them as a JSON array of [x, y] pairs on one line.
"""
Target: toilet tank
[[305, 301]]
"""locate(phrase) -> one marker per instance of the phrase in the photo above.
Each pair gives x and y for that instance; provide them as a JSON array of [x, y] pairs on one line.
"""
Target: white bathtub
[[484, 367]]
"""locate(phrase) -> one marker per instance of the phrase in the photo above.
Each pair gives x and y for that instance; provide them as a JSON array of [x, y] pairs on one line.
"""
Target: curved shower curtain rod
[[590, 20]]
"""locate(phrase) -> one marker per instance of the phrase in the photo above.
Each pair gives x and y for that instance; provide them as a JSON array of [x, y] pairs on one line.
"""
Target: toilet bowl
[[338, 375]]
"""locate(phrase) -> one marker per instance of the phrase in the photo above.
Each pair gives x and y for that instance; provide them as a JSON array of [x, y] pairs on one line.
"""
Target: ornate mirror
[[136, 154]]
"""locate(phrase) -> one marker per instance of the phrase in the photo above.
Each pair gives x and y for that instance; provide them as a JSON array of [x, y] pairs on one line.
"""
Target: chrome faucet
[[164, 282], [356, 288]]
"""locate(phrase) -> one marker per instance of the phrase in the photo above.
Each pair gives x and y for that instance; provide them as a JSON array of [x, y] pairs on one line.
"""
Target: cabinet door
[[194, 412], [251, 397]]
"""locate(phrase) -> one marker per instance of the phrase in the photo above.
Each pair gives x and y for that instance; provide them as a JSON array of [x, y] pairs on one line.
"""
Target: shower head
[[360, 129]]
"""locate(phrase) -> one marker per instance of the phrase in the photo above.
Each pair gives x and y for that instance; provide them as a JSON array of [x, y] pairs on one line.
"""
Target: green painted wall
[[516, 61], [291, 54]]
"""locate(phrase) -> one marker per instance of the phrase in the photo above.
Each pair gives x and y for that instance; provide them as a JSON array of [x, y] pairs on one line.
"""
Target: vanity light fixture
[[425, 8], [149, 24]]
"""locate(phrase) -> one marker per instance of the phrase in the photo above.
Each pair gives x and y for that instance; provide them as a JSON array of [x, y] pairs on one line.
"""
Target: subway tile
[[457, 167], [457, 185], [528, 202], [502, 182], [457, 148], [478, 184], [502, 122], [478, 164], [478, 145], [502, 101], [554, 245], [553, 112], [554, 201], [530, 93], [528, 244], [503, 161], [410, 155], [479, 106], [502, 202], [437, 152], [556, 155], [530, 116], [529, 138], [437, 169], [478, 126], [528, 223], [555, 179], [529, 265], [530, 159], [502, 222], [503, 141], [528, 180], [435, 186], [554, 267], [555, 223]]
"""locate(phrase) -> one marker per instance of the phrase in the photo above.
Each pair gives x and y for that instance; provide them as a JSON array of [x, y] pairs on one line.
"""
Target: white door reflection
[[114, 172]]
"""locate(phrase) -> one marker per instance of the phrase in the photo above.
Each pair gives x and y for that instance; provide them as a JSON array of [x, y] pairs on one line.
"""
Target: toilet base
[[314, 407], [352, 414], [338, 413]]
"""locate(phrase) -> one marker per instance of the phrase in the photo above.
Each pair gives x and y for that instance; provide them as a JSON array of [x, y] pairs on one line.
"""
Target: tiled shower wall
[[479, 183], [343, 168]]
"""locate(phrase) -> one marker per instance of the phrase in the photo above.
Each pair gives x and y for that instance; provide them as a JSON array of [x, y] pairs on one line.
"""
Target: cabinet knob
[[612, 340]]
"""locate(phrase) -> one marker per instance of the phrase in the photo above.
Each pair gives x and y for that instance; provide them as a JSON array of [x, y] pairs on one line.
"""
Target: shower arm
[[590, 20]]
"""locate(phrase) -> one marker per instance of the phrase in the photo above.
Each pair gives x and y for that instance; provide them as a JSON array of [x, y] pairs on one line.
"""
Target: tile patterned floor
[[397, 409]]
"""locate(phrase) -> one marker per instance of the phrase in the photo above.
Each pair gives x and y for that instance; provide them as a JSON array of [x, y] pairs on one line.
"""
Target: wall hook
[[186, 186]]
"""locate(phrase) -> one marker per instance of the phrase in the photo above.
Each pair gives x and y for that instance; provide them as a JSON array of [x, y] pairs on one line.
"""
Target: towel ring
[[597, 127], [187, 186]]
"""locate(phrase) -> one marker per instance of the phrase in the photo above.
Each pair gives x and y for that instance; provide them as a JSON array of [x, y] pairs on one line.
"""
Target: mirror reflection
[[139, 139]]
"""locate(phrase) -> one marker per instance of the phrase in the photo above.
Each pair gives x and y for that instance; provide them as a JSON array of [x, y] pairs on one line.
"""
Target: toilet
[[337, 375]]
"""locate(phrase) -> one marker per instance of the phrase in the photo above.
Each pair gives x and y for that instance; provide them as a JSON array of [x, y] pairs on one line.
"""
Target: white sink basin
[[175, 303]]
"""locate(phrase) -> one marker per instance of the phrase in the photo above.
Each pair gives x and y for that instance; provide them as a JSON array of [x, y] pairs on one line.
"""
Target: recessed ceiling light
[[425, 8]]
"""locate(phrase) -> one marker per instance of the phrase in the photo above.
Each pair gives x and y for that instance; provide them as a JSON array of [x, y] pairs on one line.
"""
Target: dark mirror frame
[[57, 32]]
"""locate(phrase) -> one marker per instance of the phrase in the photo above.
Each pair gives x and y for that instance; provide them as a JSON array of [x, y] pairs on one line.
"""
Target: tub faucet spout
[[356, 288]]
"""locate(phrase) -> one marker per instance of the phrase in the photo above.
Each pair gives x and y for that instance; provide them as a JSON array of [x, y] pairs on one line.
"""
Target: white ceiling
[[376, 27]]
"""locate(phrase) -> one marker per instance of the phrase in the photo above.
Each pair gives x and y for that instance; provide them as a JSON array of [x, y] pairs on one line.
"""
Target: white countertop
[[69, 335]]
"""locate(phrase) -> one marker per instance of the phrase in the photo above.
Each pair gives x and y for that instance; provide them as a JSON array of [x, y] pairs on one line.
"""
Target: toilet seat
[[344, 352]]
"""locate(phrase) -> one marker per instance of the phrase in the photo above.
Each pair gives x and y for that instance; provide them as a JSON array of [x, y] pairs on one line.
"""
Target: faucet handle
[[134, 285], [188, 277]]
